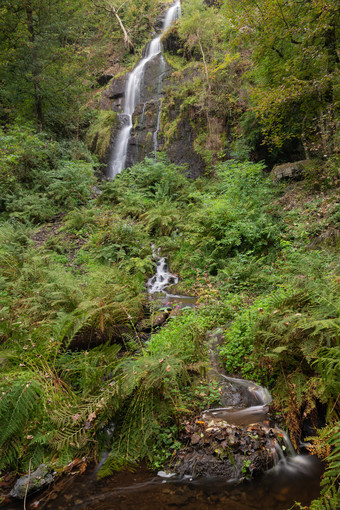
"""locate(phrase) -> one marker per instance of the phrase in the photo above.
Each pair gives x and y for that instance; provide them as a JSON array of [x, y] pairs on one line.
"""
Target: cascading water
[[162, 279], [132, 94]]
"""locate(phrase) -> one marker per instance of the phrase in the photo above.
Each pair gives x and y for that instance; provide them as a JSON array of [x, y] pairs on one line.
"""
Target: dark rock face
[[156, 79], [40, 478], [146, 115], [171, 41], [181, 150], [103, 79], [113, 96], [295, 171]]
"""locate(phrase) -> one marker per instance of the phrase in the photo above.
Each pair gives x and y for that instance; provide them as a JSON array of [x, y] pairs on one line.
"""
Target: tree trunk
[[38, 108]]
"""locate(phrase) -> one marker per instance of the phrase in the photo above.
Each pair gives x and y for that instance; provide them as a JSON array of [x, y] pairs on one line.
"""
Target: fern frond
[[17, 406]]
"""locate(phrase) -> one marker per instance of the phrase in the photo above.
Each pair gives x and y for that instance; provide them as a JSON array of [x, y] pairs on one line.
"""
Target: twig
[[28, 482]]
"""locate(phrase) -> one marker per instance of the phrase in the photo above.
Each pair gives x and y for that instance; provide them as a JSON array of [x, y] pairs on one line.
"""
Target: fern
[[329, 499], [17, 406], [74, 423]]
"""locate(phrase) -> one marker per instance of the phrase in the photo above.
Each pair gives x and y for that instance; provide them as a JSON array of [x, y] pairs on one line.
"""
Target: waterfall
[[132, 96]]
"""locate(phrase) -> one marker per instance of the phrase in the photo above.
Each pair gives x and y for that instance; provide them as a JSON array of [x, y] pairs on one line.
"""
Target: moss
[[177, 62], [99, 133]]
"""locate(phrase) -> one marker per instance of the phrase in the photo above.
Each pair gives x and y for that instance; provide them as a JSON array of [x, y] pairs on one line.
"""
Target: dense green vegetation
[[264, 73], [259, 256]]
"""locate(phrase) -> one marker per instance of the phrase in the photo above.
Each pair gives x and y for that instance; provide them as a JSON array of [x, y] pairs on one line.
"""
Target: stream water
[[293, 477], [132, 95], [142, 490]]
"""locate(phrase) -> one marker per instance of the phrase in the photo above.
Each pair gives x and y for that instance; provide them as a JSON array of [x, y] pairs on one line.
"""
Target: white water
[[162, 279], [132, 94]]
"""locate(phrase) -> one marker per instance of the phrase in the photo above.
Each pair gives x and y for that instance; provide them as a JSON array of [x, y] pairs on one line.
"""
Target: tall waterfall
[[132, 94]]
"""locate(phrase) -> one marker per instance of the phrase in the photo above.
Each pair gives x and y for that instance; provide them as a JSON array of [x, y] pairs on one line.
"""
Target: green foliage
[[41, 177], [98, 135], [232, 219], [326, 445], [294, 67], [73, 360], [18, 405]]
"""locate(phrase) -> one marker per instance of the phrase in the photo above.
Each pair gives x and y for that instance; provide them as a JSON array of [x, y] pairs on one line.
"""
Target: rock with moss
[[100, 133], [33, 482], [294, 171], [154, 321]]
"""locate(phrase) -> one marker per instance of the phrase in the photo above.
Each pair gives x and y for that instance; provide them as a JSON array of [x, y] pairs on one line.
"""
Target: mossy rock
[[30, 483], [155, 321], [98, 136]]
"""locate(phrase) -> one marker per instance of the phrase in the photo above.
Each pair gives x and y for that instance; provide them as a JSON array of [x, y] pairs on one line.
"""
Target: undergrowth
[[79, 376]]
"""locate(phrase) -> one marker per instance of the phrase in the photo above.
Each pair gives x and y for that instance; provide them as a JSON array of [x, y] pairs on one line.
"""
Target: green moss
[[99, 133], [177, 62]]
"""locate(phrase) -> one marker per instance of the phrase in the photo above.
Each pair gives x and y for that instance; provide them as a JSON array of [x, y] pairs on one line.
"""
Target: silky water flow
[[132, 97]]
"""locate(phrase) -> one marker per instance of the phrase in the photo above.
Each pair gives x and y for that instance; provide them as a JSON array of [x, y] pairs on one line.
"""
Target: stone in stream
[[38, 479], [155, 321]]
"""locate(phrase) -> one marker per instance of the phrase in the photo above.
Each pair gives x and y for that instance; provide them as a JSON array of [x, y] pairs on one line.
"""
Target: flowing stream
[[132, 95], [293, 477]]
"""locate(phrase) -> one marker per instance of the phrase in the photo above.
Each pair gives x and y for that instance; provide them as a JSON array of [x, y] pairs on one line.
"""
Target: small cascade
[[162, 279], [158, 123], [239, 439], [132, 96]]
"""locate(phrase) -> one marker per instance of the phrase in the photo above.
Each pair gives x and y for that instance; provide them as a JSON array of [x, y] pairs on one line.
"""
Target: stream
[[193, 483], [142, 490], [289, 477]]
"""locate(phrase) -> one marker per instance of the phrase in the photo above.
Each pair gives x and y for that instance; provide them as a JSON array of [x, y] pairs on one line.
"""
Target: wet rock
[[114, 94], [195, 439], [141, 143], [219, 449], [295, 171], [41, 477], [181, 149]]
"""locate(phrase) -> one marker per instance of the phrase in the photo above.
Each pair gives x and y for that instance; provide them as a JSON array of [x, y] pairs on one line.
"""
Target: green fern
[[19, 405], [330, 496]]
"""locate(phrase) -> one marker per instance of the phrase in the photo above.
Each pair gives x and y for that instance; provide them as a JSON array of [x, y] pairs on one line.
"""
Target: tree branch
[[112, 10]]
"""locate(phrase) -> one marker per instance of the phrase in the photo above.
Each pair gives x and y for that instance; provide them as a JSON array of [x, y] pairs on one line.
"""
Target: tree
[[43, 60], [109, 7], [295, 58]]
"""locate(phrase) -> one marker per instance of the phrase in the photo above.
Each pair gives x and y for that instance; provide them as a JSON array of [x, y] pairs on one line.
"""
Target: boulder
[[30, 483], [294, 171]]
